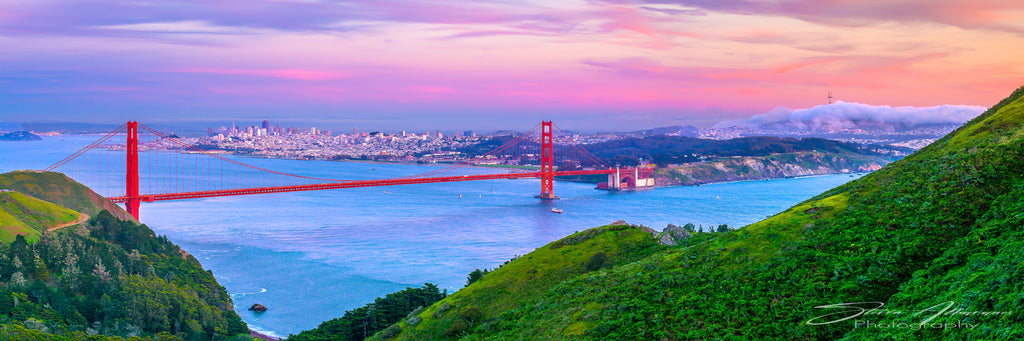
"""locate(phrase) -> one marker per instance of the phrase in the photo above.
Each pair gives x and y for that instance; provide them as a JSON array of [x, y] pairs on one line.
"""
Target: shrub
[[472, 315], [391, 332], [458, 327], [596, 261]]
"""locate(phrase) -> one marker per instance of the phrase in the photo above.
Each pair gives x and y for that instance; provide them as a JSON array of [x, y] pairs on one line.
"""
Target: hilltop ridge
[[59, 189], [24, 215]]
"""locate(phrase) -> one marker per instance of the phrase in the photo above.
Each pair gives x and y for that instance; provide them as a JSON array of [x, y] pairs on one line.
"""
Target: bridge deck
[[350, 184]]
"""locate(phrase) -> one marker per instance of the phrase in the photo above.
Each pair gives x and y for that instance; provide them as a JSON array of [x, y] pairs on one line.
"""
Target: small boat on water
[[556, 210]]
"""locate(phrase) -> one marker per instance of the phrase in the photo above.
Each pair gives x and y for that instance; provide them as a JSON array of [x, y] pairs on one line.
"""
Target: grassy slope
[[941, 225], [530, 276], [59, 189], [28, 216]]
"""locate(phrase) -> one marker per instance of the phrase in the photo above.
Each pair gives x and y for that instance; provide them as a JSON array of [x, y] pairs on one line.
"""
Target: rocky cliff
[[767, 167]]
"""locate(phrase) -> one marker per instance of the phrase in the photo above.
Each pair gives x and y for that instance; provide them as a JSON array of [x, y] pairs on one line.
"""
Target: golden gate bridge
[[159, 167]]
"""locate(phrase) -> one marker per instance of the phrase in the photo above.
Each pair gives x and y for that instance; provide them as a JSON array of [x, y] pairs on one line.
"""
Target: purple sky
[[486, 65]]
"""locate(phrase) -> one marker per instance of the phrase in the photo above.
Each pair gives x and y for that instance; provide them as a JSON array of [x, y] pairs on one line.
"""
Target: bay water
[[310, 256]]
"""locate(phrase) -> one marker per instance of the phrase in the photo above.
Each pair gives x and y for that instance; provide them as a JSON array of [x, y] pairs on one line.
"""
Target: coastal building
[[638, 178]]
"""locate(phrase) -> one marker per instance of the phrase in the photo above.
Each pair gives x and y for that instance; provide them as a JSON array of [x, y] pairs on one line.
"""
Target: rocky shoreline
[[764, 168], [262, 336]]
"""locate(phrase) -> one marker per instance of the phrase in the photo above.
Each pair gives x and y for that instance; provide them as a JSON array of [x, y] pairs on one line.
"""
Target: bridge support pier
[[547, 163], [132, 175]]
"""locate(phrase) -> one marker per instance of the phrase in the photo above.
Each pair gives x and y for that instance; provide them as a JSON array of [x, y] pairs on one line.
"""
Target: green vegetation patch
[[757, 242], [479, 305], [362, 322], [115, 279], [107, 279], [61, 190], [21, 214]]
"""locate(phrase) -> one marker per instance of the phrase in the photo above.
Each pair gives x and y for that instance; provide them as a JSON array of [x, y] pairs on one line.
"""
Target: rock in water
[[259, 308]]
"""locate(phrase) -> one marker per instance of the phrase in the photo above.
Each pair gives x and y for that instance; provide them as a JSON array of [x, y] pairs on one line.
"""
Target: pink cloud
[[974, 14], [638, 21], [803, 64], [297, 74]]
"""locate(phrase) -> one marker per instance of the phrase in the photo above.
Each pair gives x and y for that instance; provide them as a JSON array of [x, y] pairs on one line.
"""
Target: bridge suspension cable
[[160, 166]]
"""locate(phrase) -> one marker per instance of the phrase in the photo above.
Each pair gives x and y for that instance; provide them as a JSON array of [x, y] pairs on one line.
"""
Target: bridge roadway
[[351, 184]]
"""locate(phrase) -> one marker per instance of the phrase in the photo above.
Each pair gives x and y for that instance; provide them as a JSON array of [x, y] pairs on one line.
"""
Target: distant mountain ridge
[[19, 136], [666, 150]]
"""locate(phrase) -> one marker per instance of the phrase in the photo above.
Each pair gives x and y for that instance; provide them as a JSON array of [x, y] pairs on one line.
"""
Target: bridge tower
[[132, 176], [547, 162]]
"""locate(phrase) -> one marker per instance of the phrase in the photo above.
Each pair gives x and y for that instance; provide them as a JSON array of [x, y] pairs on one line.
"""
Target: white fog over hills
[[912, 127]]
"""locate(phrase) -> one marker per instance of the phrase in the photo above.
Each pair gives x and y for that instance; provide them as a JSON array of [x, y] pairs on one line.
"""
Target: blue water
[[310, 256]]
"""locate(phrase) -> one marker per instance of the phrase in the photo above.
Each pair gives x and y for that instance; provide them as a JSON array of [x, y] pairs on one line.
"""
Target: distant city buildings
[[314, 143], [435, 146]]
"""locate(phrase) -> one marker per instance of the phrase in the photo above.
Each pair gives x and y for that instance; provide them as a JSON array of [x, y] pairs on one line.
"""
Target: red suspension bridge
[[158, 167]]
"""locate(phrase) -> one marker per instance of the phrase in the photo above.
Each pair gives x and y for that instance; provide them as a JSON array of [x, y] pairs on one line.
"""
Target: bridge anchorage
[[159, 167]]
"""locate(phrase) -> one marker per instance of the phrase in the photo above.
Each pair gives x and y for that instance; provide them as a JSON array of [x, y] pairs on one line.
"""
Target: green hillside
[[529, 277], [59, 189], [942, 227], [21, 214], [106, 279]]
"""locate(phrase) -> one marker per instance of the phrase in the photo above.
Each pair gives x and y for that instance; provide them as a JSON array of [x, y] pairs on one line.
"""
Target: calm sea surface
[[310, 256]]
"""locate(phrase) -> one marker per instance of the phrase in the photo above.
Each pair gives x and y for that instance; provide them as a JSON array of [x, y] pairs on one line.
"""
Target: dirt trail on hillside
[[82, 217]]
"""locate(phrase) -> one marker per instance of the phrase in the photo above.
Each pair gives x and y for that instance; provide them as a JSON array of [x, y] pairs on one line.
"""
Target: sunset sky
[[412, 64]]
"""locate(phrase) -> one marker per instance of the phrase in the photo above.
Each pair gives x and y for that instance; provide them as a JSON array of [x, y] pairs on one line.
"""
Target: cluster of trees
[[477, 274], [367, 320], [116, 278], [690, 227]]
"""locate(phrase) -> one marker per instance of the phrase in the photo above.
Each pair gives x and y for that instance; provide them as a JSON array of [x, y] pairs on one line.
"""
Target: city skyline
[[596, 65]]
